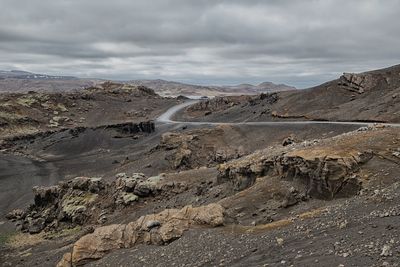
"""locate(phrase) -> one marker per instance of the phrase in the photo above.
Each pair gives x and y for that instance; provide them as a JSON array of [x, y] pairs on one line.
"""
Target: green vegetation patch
[[6, 237]]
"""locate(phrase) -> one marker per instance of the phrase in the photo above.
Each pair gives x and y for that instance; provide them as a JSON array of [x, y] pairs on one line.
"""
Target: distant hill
[[168, 88], [18, 74], [23, 81], [260, 88]]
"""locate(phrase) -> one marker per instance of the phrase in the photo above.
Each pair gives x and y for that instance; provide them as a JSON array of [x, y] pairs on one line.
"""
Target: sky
[[300, 43]]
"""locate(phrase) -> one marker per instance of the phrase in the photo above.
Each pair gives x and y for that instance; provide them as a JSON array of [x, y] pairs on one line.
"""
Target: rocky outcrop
[[189, 150], [85, 200], [324, 174], [118, 130], [216, 103], [130, 127], [357, 82], [120, 88], [157, 229], [178, 147]]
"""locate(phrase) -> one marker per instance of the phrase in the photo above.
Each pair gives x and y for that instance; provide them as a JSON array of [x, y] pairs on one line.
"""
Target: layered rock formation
[[324, 173]]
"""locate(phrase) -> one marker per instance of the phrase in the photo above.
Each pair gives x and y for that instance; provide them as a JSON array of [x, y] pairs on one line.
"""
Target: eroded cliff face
[[324, 175], [326, 168]]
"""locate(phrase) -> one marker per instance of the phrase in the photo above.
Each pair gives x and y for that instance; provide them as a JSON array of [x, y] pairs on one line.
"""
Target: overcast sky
[[301, 43]]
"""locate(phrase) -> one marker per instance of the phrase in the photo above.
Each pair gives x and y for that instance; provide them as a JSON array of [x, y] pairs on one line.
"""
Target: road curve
[[167, 119]]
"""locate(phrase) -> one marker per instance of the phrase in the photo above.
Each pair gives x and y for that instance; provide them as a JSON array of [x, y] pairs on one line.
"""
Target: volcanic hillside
[[370, 96]]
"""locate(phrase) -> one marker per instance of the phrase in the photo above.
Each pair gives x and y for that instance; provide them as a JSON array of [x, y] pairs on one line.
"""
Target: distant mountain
[[260, 88], [168, 88], [22, 81], [18, 74]]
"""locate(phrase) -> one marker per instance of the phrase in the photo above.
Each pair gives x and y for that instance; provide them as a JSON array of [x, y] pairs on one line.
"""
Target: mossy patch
[[6, 237], [10, 116], [61, 107], [75, 204], [63, 233], [26, 101]]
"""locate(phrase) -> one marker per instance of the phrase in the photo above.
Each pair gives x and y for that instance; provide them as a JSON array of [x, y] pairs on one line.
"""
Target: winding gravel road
[[167, 118]]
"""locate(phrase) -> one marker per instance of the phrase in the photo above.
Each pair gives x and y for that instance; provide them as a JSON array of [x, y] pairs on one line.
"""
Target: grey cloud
[[224, 41]]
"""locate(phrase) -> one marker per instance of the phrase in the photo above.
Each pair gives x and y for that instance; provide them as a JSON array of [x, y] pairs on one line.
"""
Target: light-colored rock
[[386, 251], [173, 223], [126, 198]]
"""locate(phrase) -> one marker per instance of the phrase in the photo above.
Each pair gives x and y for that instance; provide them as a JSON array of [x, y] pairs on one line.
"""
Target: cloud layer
[[301, 43]]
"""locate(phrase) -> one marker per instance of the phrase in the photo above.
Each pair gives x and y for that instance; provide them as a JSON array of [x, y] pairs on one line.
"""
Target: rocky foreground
[[326, 201]]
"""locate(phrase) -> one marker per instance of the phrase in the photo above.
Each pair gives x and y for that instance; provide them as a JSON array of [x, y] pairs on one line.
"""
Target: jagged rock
[[126, 198], [214, 104], [45, 195], [357, 82], [68, 202], [181, 157], [224, 155], [16, 214], [179, 146], [127, 183], [92, 184], [289, 140], [269, 98], [35, 225], [174, 140], [81, 200], [172, 224]]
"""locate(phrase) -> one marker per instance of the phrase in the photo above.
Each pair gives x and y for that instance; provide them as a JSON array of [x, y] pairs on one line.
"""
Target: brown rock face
[[324, 174], [158, 229], [178, 145], [325, 177]]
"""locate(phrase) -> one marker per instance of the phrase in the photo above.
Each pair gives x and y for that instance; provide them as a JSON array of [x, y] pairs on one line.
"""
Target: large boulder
[[158, 229]]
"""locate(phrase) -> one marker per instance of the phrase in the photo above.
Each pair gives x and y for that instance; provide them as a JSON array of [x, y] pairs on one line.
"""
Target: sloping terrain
[[371, 96]]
